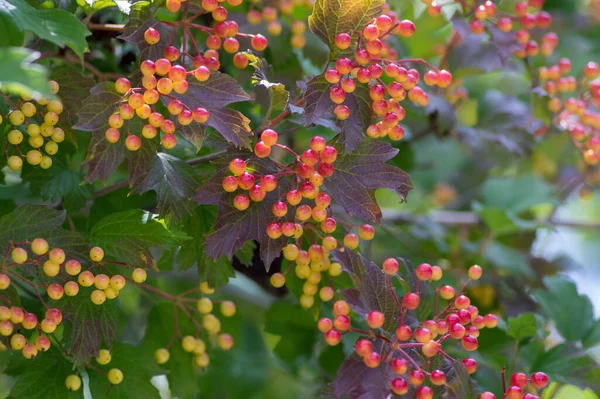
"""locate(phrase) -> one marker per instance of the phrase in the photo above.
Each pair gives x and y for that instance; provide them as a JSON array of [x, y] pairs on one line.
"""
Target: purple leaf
[[103, 157], [215, 95], [102, 102], [139, 21], [371, 283], [232, 228], [320, 107], [173, 181], [358, 175], [353, 298], [357, 380]]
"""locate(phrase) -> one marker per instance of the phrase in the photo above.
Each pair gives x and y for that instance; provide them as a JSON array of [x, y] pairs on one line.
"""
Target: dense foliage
[[298, 199]]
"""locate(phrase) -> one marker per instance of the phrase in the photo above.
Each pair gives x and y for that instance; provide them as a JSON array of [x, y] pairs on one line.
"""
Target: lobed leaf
[[331, 17], [358, 175], [232, 228], [278, 95], [128, 236], [20, 75]]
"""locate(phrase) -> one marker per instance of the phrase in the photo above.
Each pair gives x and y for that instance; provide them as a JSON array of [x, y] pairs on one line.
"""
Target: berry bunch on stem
[[34, 119]]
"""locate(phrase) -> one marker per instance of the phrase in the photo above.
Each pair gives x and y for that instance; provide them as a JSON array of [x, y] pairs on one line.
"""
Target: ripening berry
[[341, 323], [18, 342], [438, 377], [375, 319], [399, 366], [519, 379], [539, 380], [372, 360], [469, 343], [101, 281], [422, 335], [122, 85], [462, 302], [290, 251], [259, 42], [333, 337], [98, 297], [326, 293], [6, 328], [487, 395], [324, 324], [162, 355], [139, 275], [206, 289], [55, 291], [411, 301], [42, 343], [406, 28], [277, 280], [399, 385], [71, 288], [591, 70], [48, 326], [363, 347], [133, 142], [112, 135], [424, 272], [168, 141], [15, 137], [29, 351], [152, 36], [86, 279], [73, 383], [514, 392], [424, 392], [262, 150], [4, 281], [50, 268], [351, 241], [366, 232], [225, 341], [115, 376], [241, 202], [416, 377], [475, 272], [343, 41], [18, 255], [490, 320], [390, 266], [430, 349]]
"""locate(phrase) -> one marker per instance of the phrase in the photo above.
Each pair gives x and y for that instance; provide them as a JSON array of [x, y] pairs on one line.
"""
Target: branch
[[123, 183], [106, 27], [76, 60], [466, 218]]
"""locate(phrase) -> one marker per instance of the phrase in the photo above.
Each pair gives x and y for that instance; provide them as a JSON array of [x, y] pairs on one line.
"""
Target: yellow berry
[[225, 341], [204, 305], [139, 275], [98, 297], [117, 282], [51, 118], [46, 162], [277, 280], [71, 288], [19, 255], [104, 357], [57, 256], [202, 360], [161, 356], [227, 308], [15, 137], [307, 301], [211, 323], [51, 148], [101, 281], [73, 383], [86, 279], [34, 157], [96, 254], [58, 136], [55, 106], [15, 162], [36, 141], [28, 109], [16, 117], [335, 269], [39, 246], [115, 376], [50, 268], [54, 87], [200, 347], [33, 129], [188, 343], [205, 288], [46, 129], [111, 293]]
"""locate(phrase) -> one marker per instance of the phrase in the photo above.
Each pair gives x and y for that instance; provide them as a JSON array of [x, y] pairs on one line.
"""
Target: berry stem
[[30, 284], [393, 291], [275, 121]]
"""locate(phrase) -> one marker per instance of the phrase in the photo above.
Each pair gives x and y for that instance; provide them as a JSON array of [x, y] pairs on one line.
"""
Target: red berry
[[390, 266], [470, 365], [372, 360], [411, 301], [406, 28], [240, 61], [262, 150], [333, 337], [152, 36], [375, 319], [200, 115], [469, 343], [343, 40], [246, 181], [416, 377], [241, 202], [274, 230], [424, 272], [539, 380], [256, 193], [519, 379], [462, 302], [269, 137], [399, 385], [425, 392], [259, 42], [363, 347], [514, 392], [341, 322]]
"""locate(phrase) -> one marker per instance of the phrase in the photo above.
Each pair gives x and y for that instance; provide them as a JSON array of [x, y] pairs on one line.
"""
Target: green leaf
[[60, 184], [592, 338], [128, 236], [19, 74], [246, 253], [572, 313], [92, 326], [180, 370], [173, 181], [522, 327], [516, 193], [49, 371], [568, 364], [31, 221], [57, 26], [331, 17], [11, 34], [123, 5], [509, 259], [498, 221], [138, 367], [461, 385], [539, 101], [278, 95], [296, 328]]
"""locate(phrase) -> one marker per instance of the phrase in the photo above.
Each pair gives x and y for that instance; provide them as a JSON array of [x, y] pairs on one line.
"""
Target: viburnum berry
[[375, 319], [399, 385], [343, 41], [363, 347], [333, 337], [139, 275], [277, 280], [262, 150], [133, 143], [406, 28], [424, 392], [416, 377], [514, 392], [372, 360], [539, 380], [115, 376], [259, 42], [411, 301]]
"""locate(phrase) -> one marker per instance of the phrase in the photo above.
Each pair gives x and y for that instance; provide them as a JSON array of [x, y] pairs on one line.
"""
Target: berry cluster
[[221, 35], [528, 18], [574, 103], [40, 126], [114, 375], [310, 206], [458, 320], [20, 329], [518, 383], [373, 61], [51, 262], [275, 17], [209, 323]]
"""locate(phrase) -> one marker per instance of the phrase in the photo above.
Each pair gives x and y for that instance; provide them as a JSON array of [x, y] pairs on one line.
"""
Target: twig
[[106, 27]]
